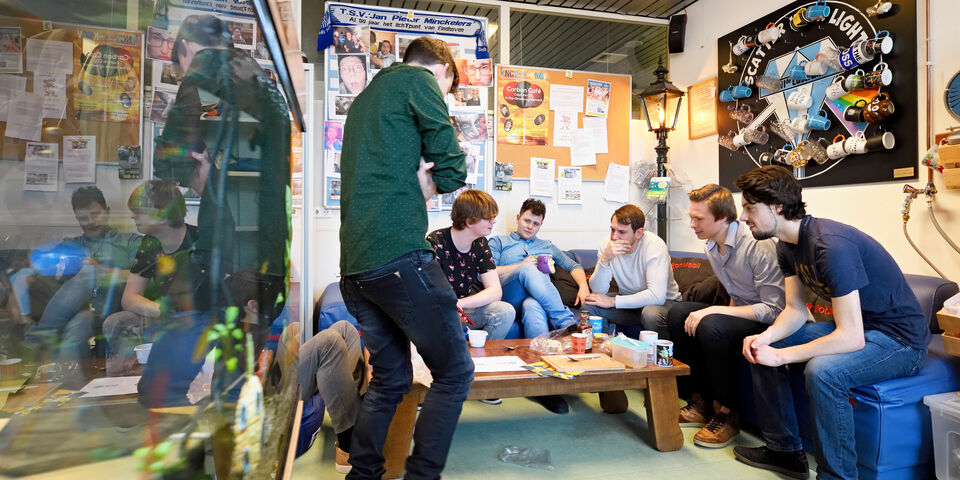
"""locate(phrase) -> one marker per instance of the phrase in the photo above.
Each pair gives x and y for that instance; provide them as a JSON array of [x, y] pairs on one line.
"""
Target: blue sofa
[[893, 430]]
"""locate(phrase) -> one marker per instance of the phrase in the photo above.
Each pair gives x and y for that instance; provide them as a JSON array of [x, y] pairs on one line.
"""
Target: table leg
[[614, 402], [397, 447], [663, 412]]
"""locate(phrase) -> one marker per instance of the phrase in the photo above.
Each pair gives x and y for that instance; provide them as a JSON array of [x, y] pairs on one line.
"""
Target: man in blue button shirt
[[524, 286], [529, 290]]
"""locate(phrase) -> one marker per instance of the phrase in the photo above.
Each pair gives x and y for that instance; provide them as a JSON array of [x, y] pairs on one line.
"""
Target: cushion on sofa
[[697, 282]]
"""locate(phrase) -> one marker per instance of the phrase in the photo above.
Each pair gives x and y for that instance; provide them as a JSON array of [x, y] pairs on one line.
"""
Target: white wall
[[873, 208]]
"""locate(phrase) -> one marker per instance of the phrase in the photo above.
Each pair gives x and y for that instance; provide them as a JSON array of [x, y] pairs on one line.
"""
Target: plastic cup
[[477, 338], [9, 368], [579, 342], [143, 352]]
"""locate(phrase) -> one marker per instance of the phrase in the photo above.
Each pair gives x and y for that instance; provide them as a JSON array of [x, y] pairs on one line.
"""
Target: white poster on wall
[[541, 176], [40, 167], [79, 158]]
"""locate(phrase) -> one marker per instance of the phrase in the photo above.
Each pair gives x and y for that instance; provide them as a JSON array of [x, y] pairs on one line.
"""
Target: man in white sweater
[[640, 263]]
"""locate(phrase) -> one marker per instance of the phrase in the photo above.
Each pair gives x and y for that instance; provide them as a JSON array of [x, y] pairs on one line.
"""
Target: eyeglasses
[[353, 69], [159, 40]]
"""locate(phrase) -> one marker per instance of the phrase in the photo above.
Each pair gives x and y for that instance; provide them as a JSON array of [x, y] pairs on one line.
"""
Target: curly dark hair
[[535, 207], [773, 185]]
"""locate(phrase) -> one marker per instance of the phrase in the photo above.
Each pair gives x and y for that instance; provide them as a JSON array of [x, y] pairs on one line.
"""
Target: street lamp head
[[661, 102]]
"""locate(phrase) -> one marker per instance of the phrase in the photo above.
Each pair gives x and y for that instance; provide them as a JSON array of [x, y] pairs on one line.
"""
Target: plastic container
[[630, 353], [945, 416]]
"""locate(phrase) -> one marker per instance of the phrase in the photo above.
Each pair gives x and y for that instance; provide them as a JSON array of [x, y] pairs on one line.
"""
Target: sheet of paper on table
[[109, 386], [505, 363]]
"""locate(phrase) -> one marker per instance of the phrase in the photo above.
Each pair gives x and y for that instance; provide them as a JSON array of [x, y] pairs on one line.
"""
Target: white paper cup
[[477, 338], [143, 352]]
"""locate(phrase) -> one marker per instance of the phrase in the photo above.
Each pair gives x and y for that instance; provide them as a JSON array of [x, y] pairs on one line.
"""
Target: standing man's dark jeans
[[408, 300], [713, 354]]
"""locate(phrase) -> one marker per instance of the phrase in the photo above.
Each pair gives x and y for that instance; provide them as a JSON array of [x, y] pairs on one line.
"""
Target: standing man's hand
[[201, 170], [425, 179]]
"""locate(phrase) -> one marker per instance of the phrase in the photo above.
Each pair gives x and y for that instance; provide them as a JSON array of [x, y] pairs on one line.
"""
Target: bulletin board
[[363, 37], [847, 23], [98, 100], [617, 122]]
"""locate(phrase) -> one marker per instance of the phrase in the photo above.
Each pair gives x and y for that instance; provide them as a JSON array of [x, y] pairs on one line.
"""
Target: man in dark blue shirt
[[879, 330]]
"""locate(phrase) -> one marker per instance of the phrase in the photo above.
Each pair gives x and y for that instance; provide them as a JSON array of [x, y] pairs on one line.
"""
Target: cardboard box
[[949, 323], [951, 177], [951, 344], [950, 156]]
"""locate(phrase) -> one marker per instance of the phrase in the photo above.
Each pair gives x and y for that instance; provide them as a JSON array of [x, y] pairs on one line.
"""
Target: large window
[[144, 236]]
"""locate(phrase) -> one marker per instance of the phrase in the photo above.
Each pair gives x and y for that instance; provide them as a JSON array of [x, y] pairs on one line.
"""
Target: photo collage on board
[[358, 54]]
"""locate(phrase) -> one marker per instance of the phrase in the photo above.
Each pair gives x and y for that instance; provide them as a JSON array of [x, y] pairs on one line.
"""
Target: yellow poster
[[523, 107], [107, 76]]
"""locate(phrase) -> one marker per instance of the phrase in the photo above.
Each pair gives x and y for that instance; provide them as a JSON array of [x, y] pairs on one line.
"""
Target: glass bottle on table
[[586, 327]]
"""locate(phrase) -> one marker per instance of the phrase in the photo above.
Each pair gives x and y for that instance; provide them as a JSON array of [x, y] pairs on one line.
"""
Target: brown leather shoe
[[722, 429], [343, 461], [695, 414]]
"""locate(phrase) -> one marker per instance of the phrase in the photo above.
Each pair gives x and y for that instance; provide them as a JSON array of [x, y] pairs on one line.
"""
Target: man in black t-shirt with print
[[464, 256], [879, 332]]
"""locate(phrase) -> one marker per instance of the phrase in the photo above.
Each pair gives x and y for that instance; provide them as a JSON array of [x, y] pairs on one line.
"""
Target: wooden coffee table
[[659, 385]]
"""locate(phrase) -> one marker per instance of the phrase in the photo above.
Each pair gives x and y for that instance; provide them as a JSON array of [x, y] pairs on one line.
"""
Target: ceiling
[[566, 42], [644, 8]]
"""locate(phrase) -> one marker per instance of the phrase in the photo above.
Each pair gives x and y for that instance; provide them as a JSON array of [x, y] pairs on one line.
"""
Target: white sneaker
[[492, 401]]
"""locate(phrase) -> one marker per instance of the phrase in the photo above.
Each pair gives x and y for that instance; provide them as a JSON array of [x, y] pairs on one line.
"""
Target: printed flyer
[[523, 106], [108, 82]]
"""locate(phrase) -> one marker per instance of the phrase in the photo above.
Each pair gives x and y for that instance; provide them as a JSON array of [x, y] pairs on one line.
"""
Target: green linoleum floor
[[584, 444]]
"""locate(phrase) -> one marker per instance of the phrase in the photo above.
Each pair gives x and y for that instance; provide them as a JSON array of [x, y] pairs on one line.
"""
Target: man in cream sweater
[[640, 263]]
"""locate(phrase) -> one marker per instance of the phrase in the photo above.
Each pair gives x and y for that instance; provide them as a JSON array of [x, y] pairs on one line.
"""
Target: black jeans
[[712, 354], [408, 300]]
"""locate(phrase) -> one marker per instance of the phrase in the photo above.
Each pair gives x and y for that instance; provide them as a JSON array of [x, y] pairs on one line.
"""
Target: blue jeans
[[495, 318], [530, 292], [829, 379], [408, 300], [73, 315]]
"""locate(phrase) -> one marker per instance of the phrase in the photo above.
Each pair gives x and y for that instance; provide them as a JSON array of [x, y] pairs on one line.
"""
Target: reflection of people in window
[[237, 37], [353, 73], [384, 56], [211, 63]]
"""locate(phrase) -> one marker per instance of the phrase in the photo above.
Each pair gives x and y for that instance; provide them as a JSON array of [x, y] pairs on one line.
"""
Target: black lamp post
[[661, 106]]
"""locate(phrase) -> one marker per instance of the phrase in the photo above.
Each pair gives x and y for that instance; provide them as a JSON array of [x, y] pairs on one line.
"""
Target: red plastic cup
[[579, 342]]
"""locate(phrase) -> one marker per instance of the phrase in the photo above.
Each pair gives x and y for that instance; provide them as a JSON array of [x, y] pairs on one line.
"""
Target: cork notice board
[[617, 120]]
